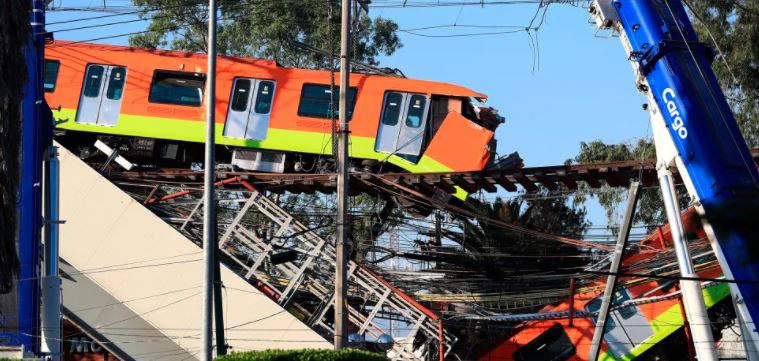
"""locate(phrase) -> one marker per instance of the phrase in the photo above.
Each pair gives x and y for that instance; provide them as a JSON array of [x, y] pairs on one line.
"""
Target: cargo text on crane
[[668, 95]]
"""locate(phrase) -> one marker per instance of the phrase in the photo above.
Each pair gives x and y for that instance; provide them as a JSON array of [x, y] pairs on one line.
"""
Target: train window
[[594, 306], [392, 110], [51, 74], [240, 95], [178, 88], [415, 111], [552, 345], [315, 101], [93, 80], [116, 83], [621, 296], [264, 97]]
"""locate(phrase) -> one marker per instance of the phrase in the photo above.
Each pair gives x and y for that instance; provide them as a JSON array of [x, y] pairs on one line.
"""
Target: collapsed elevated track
[[529, 179], [114, 246], [433, 190]]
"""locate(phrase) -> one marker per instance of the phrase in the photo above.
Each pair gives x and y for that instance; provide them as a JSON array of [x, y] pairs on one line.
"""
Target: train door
[[626, 328], [249, 109], [402, 124], [102, 92]]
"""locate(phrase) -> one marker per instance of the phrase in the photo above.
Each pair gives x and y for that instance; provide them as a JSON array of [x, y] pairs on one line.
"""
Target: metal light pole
[[51, 282], [693, 298], [209, 209], [342, 182], [616, 263], [218, 310]]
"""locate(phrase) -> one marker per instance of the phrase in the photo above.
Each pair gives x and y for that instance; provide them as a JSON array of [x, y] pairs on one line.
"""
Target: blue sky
[[581, 90]]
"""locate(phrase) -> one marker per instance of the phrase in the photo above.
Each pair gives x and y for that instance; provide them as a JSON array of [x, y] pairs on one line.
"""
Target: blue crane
[[38, 322], [695, 132], [30, 190]]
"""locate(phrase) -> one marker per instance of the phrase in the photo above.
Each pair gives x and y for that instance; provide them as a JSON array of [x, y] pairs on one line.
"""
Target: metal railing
[[307, 272]]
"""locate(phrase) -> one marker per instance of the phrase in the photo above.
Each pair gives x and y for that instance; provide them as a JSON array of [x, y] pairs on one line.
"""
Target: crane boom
[[696, 132]]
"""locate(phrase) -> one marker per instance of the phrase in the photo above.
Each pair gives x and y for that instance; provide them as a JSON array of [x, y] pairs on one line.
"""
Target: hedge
[[304, 355]]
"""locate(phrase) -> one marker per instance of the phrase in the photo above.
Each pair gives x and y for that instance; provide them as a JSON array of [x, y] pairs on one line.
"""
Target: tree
[[266, 29], [541, 211], [732, 27], [650, 210], [14, 31]]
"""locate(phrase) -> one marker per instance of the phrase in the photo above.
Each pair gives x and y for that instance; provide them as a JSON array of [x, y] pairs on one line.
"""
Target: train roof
[[199, 59]]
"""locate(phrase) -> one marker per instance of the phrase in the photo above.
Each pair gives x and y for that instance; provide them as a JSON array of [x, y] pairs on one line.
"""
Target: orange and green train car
[[150, 104], [651, 329]]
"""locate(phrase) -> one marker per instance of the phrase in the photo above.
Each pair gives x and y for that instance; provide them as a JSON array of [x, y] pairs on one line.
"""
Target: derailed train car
[[150, 104], [646, 318]]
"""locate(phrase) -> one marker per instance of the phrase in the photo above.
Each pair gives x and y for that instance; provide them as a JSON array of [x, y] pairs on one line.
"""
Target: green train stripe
[[668, 322], [277, 139]]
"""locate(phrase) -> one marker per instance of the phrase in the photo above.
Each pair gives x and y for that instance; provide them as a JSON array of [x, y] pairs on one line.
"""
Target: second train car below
[[647, 317]]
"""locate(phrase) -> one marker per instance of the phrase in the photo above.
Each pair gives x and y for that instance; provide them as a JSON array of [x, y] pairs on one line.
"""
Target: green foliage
[[265, 29], [542, 212], [304, 355], [733, 28], [550, 214], [650, 207], [14, 31]]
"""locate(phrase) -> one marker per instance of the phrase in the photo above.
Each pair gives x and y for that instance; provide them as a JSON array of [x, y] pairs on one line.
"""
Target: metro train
[[149, 104], [646, 318]]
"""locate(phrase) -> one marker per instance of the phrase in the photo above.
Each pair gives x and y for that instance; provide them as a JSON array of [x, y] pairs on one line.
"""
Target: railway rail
[[529, 179]]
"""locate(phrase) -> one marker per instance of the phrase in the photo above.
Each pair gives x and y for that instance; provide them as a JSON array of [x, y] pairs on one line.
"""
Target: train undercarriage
[[162, 153]]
